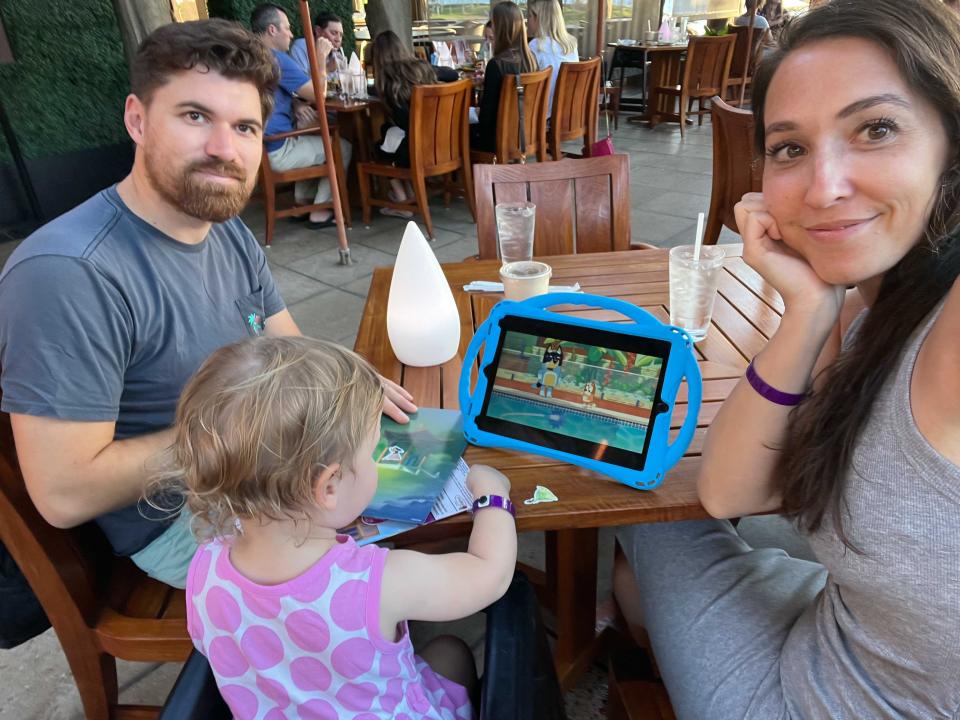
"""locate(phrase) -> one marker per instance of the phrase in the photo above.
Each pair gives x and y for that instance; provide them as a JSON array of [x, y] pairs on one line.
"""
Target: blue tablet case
[[681, 364]]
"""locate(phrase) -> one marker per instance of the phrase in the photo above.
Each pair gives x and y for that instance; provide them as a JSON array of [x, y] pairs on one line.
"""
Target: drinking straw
[[698, 240], [649, 29]]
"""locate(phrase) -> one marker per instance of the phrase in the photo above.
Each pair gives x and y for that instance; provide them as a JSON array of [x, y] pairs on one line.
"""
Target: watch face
[[483, 501]]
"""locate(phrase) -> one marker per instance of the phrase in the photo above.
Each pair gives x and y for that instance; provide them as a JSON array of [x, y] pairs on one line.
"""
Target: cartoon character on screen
[[548, 375], [589, 394]]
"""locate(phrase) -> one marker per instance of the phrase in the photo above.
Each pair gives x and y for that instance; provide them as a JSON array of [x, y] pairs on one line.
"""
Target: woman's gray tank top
[[883, 638]]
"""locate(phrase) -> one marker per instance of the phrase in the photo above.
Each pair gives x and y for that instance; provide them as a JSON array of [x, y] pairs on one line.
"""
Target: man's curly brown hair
[[213, 45]]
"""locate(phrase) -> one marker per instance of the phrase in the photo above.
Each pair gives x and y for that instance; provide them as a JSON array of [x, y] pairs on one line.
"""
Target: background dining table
[[747, 312], [666, 64]]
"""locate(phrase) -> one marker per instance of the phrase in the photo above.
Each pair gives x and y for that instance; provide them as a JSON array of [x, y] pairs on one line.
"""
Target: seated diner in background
[[326, 26], [550, 42], [129, 292], [759, 21], [291, 106], [775, 15], [511, 55], [848, 420], [396, 71]]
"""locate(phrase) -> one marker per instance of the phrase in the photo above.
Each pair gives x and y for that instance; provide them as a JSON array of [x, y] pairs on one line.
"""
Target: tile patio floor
[[669, 185]]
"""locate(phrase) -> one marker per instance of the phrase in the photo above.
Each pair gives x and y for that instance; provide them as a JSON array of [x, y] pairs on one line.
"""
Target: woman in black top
[[511, 55]]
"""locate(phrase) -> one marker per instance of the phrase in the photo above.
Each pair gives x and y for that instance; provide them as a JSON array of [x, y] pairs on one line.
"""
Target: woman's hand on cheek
[[785, 269]]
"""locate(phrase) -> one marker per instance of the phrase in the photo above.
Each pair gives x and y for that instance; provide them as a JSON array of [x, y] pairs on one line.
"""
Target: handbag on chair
[[605, 146]]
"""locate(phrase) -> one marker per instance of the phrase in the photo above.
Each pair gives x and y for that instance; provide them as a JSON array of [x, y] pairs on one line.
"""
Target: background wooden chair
[[736, 168], [439, 146], [536, 89], [582, 205], [743, 57], [271, 181], [705, 74], [101, 607], [574, 108]]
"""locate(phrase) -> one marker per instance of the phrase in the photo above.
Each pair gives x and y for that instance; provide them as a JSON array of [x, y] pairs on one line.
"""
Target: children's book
[[454, 498], [414, 464]]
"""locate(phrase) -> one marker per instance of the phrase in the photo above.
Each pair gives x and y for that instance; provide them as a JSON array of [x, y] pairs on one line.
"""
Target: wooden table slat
[[751, 279]]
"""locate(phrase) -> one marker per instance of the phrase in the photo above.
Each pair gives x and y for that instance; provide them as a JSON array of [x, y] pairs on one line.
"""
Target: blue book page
[[414, 463], [455, 498]]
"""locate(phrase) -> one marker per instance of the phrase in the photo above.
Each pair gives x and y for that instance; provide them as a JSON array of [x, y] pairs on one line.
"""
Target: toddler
[[274, 441]]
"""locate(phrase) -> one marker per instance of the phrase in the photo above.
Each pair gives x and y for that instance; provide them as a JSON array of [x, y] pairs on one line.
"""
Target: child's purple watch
[[496, 501]]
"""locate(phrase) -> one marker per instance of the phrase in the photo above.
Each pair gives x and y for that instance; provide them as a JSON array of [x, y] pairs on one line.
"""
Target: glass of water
[[515, 223], [693, 287]]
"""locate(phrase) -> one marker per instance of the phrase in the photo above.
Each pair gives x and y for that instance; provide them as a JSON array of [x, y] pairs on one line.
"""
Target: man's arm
[[75, 471], [305, 91]]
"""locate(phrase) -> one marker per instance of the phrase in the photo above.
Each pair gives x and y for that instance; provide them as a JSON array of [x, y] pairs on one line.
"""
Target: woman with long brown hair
[[848, 420], [396, 71], [511, 55]]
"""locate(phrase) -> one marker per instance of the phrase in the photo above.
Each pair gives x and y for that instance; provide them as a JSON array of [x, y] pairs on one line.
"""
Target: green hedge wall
[[66, 90], [241, 9]]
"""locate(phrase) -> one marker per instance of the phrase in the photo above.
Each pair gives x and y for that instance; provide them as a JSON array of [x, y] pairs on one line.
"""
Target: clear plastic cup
[[515, 223], [525, 279], [693, 288]]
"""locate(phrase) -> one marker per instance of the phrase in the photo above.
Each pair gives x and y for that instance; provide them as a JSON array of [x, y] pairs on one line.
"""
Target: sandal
[[391, 212]]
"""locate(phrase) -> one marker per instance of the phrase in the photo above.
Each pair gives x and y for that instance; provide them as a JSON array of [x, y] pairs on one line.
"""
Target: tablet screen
[[593, 393]]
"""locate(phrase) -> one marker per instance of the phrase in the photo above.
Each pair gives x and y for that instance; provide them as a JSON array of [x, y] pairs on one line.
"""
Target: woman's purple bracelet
[[767, 391]]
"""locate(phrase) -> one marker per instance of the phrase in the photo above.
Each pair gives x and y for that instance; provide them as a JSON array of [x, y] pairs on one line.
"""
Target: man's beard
[[196, 197]]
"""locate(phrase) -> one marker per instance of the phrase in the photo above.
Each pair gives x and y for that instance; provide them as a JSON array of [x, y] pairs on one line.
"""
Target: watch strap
[[494, 501]]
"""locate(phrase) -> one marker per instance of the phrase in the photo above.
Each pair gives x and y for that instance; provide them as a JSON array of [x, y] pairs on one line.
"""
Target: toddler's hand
[[484, 480]]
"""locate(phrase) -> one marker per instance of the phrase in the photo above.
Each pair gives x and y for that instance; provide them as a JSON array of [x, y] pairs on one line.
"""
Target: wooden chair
[[439, 146], [705, 74], [574, 109], [536, 88], [272, 179], [736, 168], [743, 58], [582, 205], [101, 607]]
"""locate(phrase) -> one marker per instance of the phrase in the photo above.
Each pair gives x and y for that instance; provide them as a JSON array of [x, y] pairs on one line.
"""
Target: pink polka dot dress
[[311, 647]]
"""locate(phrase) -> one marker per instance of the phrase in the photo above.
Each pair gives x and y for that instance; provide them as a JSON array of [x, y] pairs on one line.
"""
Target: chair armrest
[[298, 133]]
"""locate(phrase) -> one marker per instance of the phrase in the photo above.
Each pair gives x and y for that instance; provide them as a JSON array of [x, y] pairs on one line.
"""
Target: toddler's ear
[[326, 487]]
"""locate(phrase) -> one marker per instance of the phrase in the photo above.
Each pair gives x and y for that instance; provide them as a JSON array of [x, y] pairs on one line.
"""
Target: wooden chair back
[[98, 611], [439, 127], [737, 169], [536, 89], [582, 205], [574, 105], [707, 68], [744, 56]]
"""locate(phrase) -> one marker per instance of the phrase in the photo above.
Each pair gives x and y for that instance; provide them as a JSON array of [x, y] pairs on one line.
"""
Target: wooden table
[[666, 62], [746, 314], [361, 114]]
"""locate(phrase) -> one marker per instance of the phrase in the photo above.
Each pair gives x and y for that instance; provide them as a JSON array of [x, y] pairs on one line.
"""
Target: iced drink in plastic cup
[[525, 279], [693, 287], [515, 222]]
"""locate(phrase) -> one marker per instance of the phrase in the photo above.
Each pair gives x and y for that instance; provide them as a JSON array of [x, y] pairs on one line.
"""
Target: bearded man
[[106, 311]]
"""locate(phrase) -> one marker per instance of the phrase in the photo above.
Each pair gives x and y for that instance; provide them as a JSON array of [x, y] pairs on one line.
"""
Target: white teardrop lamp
[[422, 319]]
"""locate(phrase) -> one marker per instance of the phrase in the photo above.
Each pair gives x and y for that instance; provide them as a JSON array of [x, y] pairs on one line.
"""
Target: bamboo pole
[[749, 53], [319, 91], [601, 27]]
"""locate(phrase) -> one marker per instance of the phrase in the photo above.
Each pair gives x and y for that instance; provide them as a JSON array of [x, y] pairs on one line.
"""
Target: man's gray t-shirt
[[104, 318]]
